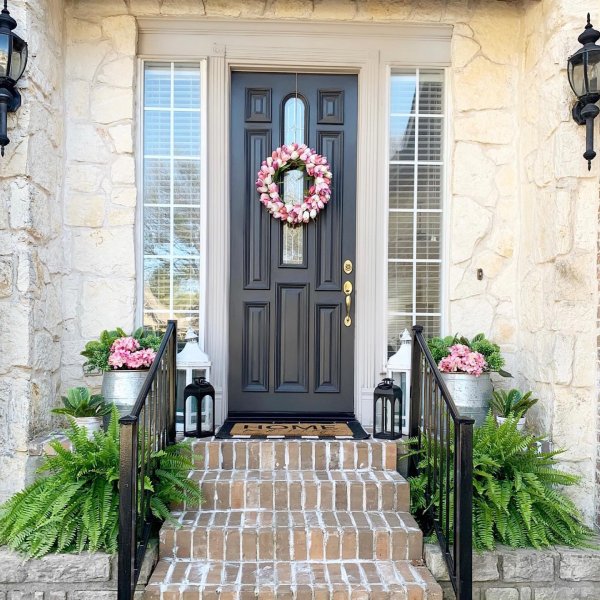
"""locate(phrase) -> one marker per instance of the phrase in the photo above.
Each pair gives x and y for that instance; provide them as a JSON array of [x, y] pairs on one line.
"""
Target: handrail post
[[128, 426], [172, 366], [414, 418], [464, 509]]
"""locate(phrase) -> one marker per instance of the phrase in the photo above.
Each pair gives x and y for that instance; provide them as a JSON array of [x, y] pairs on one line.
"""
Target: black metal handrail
[[445, 442], [148, 428]]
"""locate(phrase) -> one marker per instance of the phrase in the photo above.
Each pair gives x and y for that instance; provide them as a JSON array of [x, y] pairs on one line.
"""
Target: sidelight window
[[172, 192], [415, 201]]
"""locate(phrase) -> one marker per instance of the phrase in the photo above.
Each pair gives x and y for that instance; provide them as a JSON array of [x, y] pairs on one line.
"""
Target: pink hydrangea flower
[[126, 353], [463, 360]]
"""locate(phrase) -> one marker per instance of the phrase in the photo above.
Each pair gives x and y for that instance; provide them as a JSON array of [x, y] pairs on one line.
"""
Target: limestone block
[[123, 170], [476, 127], [473, 222], [495, 29], [291, 9], [573, 316], [584, 360], [105, 595], [383, 10], [502, 594], [471, 174], [189, 7], [579, 565], [84, 177], [108, 303], [435, 562], [121, 216], [504, 330], [46, 352], [122, 33], [66, 568], [97, 8], [485, 566], [119, 73], [82, 31], [84, 210], [15, 350], [144, 8], [566, 593], [562, 358], [574, 278], [335, 10], [85, 143], [483, 85], [463, 50], [472, 315], [124, 196], [78, 92], [528, 565], [122, 138], [111, 104], [83, 59], [106, 252], [6, 276]]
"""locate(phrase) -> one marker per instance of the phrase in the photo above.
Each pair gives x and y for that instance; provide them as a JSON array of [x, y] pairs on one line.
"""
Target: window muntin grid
[[415, 193], [172, 191]]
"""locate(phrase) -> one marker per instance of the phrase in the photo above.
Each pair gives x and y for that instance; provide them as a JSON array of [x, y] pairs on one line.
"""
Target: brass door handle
[[348, 292]]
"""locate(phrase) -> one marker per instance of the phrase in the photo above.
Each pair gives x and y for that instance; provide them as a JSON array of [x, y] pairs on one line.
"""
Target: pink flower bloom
[[463, 360]]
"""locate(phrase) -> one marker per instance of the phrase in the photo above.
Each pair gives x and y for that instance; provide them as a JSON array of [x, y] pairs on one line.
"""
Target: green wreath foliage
[[517, 496], [74, 506]]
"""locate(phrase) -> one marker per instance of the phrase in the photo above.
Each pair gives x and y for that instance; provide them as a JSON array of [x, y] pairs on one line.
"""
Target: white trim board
[[368, 49]]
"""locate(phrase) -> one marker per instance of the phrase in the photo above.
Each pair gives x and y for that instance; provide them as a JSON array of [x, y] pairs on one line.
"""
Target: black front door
[[291, 343]]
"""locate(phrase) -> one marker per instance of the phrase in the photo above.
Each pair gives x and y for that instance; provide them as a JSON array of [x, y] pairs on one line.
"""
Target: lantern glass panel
[[4, 47], [206, 414], [191, 414], [577, 72], [399, 378], [18, 58], [179, 407]]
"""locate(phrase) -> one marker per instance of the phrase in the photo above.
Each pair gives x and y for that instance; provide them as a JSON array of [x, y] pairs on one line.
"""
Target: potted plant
[[466, 365], [124, 361], [85, 408], [512, 404]]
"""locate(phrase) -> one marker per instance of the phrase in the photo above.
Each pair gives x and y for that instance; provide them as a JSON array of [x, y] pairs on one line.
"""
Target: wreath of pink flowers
[[302, 158]]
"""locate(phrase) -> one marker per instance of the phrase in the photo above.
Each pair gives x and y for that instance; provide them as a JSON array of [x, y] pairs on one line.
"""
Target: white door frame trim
[[368, 49]]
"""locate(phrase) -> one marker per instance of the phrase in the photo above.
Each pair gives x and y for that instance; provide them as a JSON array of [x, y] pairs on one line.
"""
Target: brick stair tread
[[298, 580], [289, 489], [368, 454], [266, 534]]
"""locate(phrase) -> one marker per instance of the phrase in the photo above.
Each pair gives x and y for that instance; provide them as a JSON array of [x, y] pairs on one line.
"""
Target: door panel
[[290, 351]]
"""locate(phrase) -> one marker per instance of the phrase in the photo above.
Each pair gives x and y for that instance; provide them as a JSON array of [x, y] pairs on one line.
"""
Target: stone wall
[[506, 574], [557, 268], [31, 252], [86, 576]]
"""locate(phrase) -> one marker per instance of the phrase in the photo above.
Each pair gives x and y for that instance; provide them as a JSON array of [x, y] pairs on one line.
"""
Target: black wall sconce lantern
[[13, 59], [583, 69], [387, 411], [199, 409]]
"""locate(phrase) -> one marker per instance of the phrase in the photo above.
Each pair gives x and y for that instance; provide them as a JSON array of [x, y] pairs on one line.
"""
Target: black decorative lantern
[[13, 59], [387, 410], [199, 409], [583, 69]]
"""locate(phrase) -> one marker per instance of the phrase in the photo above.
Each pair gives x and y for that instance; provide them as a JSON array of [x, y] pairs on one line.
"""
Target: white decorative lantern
[[192, 363], [398, 369]]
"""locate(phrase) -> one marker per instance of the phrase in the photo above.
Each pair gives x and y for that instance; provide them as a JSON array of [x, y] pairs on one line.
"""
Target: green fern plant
[[512, 403], [80, 402], [74, 506], [517, 499]]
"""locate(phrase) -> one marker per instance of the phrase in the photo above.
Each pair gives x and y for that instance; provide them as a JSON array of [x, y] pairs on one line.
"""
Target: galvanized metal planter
[[123, 387], [90, 424], [470, 394]]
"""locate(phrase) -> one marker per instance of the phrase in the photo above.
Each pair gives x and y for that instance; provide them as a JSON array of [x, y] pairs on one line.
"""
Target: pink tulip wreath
[[290, 157]]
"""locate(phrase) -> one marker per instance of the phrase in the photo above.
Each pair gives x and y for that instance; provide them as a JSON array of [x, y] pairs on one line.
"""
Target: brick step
[[303, 490], [318, 455], [272, 580], [291, 535]]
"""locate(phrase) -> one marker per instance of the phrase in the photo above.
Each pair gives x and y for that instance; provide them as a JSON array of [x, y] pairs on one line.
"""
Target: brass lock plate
[[348, 267]]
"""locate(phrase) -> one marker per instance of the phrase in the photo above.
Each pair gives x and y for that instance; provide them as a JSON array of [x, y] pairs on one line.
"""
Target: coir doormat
[[291, 430]]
